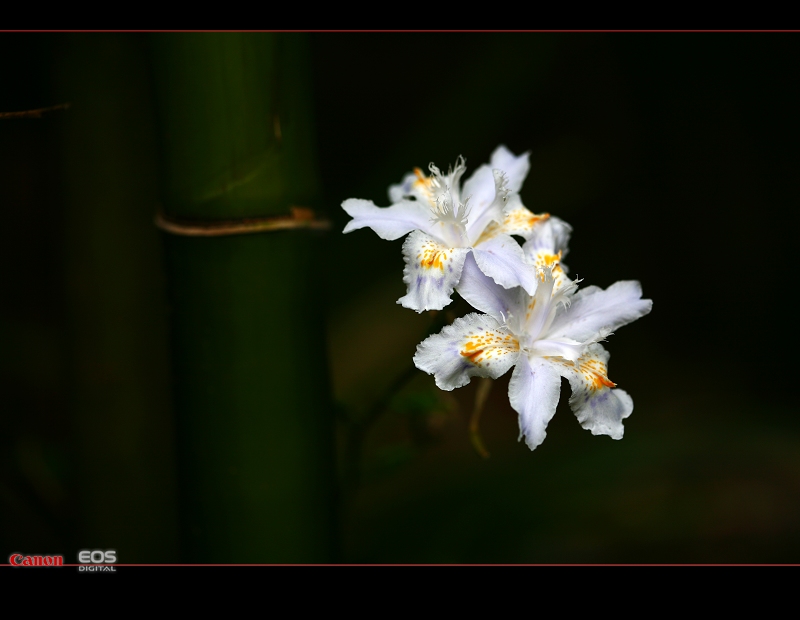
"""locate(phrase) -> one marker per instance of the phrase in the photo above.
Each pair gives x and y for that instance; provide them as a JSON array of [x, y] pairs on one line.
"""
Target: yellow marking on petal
[[472, 352], [522, 219], [491, 230], [475, 348], [544, 259], [595, 373], [431, 257], [541, 276], [472, 357], [422, 181], [551, 259], [557, 359], [517, 222]]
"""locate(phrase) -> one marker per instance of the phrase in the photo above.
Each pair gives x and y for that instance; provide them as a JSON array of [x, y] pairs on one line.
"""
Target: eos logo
[[95, 558]]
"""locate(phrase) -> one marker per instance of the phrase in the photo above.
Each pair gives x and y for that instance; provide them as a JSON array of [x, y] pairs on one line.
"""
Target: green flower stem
[[358, 429], [482, 393]]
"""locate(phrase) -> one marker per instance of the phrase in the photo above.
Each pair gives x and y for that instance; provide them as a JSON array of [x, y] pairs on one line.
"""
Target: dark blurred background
[[673, 156]]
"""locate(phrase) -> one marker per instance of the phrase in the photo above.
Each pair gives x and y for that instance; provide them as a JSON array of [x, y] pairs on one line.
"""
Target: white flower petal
[[599, 408], [501, 258], [484, 294], [484, 213], [489, 186], [388, 222], [533, 391], [432, 270], [515, 168], [558, 347], [479, 190], [474, 345], [595, 312], [550, 236]]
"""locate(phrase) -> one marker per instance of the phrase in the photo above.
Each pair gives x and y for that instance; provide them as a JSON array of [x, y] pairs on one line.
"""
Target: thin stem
[[358, 429], [484, 387]]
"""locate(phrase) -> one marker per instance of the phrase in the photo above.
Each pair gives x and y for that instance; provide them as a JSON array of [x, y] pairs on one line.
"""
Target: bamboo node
[[300, 217]]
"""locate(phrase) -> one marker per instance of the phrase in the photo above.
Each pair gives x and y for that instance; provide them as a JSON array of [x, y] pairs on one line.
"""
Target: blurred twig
[[37, 113]]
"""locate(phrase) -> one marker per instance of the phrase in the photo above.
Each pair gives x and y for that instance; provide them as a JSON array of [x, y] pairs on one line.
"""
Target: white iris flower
[[549, 334], [448, 222]]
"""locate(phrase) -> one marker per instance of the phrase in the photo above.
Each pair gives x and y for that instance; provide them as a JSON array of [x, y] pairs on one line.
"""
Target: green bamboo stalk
[[254, 421], [117, 332]]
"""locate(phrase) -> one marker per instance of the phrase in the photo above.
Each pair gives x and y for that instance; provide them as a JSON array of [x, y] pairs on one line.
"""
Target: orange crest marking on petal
[[472, 356], [523, 219], [544, 260], [559, 360], [422, 180], [519, 221], [551, 259], [595, 374], [473, 350], [478, 344], [424, 183], [431, 257]]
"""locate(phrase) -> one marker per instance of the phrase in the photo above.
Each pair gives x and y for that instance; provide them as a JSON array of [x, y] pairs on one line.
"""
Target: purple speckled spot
[[439, 282], [450, 268], [600, 399], [419, 281]]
